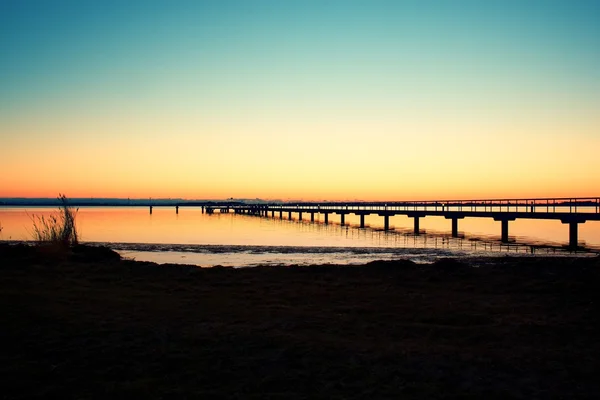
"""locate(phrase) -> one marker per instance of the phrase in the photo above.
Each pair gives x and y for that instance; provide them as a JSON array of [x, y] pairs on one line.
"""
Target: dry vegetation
[[57, 230]]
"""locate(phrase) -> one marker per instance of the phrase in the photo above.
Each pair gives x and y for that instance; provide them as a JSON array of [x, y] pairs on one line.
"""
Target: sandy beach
[[87, 324]]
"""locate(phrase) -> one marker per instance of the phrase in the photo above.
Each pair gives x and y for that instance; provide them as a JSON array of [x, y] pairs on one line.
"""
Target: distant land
[[112, 202], [82, 202]]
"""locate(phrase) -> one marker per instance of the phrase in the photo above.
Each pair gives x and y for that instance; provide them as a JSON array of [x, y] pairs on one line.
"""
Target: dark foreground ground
[[87, 325]]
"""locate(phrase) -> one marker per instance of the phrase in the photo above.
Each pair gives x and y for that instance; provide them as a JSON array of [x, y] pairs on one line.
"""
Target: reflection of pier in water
[[405, 238]]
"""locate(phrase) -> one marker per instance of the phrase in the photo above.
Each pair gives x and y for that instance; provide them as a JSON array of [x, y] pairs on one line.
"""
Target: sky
[[311, 100]]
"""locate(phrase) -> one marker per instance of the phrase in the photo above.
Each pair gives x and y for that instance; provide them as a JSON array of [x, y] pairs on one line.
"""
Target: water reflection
[[525, 235], [405, 237], [137, 228]]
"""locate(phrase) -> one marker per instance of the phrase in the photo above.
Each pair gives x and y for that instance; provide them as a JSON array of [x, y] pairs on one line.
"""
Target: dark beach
[[86, 324]]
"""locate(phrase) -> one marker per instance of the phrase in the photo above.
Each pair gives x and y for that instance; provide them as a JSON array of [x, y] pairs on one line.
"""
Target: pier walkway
[[571, 211]]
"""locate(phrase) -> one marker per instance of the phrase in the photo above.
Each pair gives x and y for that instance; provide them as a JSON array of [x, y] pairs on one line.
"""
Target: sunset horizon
[[149, 199], [299, 100], [299, 199]]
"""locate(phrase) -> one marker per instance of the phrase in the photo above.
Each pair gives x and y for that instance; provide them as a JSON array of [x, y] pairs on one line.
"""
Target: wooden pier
[[570, 211]]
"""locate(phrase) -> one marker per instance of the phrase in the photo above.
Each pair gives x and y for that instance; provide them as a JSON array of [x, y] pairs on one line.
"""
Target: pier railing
[[539, 205]]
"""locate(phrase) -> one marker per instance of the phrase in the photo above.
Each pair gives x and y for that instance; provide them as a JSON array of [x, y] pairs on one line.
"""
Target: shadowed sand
[[89, 325]]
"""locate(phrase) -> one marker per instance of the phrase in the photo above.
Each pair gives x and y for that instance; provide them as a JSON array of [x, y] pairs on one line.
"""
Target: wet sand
[[89, 325]]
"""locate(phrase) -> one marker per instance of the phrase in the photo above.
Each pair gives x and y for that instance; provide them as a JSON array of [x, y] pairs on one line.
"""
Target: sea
[[193, 237]]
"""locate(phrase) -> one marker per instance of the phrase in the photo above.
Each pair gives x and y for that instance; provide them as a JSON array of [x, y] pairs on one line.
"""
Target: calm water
[[191, 237]]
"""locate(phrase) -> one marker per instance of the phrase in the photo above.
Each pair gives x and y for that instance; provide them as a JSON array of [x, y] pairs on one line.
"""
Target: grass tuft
[[57, 230]]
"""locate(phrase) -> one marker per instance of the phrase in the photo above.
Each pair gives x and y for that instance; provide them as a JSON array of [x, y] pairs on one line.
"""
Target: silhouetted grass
[[57, 230]]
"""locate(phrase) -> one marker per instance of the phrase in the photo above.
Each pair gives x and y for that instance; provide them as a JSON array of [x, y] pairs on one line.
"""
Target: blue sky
[[108, 47], [210, 63]]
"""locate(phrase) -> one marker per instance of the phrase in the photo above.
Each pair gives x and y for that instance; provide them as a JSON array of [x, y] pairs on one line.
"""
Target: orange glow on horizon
[[295, 101], [338, 158]]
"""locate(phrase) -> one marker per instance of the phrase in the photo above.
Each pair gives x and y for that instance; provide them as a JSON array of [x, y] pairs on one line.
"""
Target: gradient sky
[[310, 100]]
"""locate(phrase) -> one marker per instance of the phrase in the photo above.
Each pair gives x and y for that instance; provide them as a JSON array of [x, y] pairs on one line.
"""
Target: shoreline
[[242, 256], [89, 324]]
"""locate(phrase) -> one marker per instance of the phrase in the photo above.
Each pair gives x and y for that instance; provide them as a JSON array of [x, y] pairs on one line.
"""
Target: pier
[[568, 211]]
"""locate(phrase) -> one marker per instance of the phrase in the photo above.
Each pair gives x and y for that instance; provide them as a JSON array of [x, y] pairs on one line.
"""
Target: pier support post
[[326, 218], [176, 209], [454, 218], [150, 209], [386, 222], [280, 214], [312, 217], [504, 235], [416, 223], [300, 216], [573, 235], [342, 219], [202, 209], [362, 220], [272, 213], [573, 231], [290, 215]]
